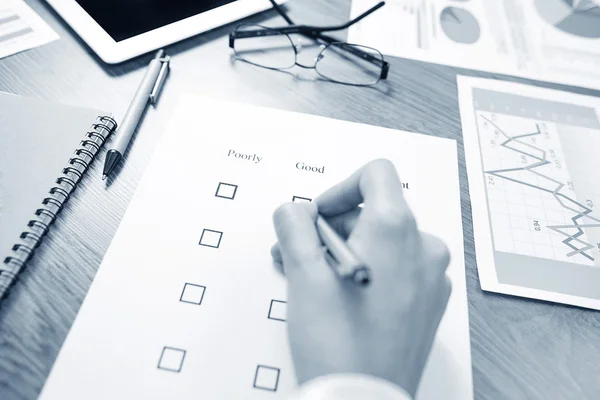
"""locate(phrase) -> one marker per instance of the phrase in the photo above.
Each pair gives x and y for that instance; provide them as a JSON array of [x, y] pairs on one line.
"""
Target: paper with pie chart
[[534, 178], [577, 17], [552, 40]]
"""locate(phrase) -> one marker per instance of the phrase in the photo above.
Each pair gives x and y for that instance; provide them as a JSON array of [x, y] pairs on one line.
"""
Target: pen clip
[[160, 80]]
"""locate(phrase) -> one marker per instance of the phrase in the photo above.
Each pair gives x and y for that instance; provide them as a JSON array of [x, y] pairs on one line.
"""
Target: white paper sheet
[[534, 178], [21, 28], [551, 40], [141, 333]]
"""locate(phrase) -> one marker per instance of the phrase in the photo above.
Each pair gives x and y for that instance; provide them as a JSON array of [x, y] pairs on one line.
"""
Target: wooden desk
[[522, 349]]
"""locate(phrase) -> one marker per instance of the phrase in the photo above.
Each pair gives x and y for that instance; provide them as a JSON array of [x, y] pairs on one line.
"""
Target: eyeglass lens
[[346, 63], [274, 50]]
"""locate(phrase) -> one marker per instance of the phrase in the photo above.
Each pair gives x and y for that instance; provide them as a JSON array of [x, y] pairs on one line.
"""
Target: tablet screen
[[124, 19]]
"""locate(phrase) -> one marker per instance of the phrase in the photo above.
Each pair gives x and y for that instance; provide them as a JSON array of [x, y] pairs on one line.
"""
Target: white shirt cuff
[[349, 387]]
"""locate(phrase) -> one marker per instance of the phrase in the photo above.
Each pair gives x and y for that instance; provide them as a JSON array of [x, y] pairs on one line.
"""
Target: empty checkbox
[[298, 199], [211, 238], [278, 310], [226, 191], [192, 294], [171, 359], [266, 378]]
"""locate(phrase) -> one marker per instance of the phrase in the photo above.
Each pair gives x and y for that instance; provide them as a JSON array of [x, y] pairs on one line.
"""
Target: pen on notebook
[[345, 264], [148, 91]]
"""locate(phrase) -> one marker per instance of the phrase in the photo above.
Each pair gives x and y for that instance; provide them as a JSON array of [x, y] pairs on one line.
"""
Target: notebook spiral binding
[[57, 197]]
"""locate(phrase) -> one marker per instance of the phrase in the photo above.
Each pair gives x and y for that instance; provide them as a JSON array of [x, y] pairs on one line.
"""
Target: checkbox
[[278, 310], [226, 190], [266, 378], [298, 199], [171, 359], [192, 294], [211, 238]]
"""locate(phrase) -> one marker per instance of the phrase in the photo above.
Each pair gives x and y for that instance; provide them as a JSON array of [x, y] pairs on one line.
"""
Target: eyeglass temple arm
[[353, 21], [278, 8], [330, 28], [385, 66], [311, 31]]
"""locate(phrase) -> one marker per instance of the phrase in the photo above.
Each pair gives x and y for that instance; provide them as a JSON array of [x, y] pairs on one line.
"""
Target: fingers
[[343, 224], [279, 268], [376, 185], [299, 243], [436, 258], [277, 259], [276, 254], [442, 296], [446, 290]]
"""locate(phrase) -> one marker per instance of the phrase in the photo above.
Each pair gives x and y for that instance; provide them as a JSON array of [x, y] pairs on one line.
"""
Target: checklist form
[[187, 303]]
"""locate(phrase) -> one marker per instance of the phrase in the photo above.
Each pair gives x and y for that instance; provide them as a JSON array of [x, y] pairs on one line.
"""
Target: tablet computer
[[118, 30]]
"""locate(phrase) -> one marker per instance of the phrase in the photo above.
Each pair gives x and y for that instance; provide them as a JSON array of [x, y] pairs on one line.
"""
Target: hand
[[385, 329]]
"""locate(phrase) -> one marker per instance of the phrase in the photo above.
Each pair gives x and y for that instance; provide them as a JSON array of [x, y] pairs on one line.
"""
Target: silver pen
[[148, 91], [345, 263]]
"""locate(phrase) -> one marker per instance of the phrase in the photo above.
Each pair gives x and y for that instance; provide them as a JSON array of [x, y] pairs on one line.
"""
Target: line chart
[[534, 184], [582, 215]]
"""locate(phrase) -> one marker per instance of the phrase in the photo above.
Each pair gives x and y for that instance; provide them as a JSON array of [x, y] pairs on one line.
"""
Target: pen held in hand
[[345, 263]]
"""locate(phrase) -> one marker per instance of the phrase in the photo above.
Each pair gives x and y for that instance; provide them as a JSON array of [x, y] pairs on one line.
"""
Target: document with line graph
[[534, 175], [21, 28]]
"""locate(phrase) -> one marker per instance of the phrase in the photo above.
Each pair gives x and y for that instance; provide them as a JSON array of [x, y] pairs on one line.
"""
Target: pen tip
[[104, 177], [362, 277]]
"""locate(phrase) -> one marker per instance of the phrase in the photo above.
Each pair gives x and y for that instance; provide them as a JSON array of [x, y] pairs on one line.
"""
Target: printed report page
[[551, 40]]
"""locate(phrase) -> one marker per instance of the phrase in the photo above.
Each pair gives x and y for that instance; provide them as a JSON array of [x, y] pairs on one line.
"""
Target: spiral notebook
[[45, 149]]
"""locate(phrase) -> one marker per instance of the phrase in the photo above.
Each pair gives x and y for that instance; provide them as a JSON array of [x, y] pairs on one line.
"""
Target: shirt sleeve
[[349, 387]]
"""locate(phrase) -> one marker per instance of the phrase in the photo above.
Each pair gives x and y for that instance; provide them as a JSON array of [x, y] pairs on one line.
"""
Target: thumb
[[299, 242]]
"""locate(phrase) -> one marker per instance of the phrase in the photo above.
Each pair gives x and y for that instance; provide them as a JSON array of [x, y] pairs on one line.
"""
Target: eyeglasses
[[340, 62]]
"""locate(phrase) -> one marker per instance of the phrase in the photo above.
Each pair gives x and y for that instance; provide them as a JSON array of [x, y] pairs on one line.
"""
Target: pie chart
[[576, 17], [460, 25]]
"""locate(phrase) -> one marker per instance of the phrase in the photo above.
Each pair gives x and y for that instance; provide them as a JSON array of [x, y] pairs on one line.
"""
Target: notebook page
[[187, 303], [37, 139]]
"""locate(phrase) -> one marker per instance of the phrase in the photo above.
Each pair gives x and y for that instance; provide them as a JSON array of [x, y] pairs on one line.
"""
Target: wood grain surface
[[521, 349]]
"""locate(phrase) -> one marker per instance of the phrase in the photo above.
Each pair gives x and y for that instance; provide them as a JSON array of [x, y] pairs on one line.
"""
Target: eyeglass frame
[[349, 47], [315, 33]]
